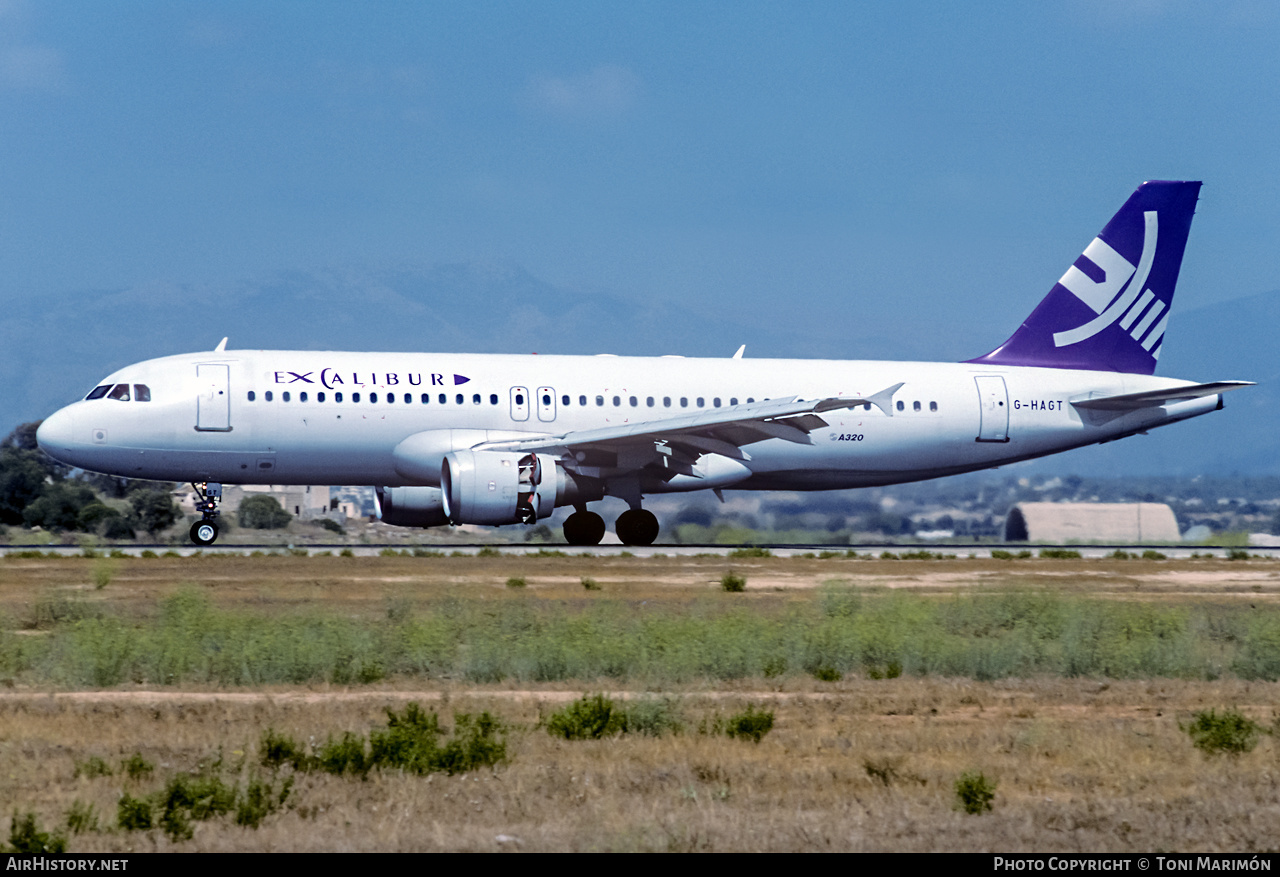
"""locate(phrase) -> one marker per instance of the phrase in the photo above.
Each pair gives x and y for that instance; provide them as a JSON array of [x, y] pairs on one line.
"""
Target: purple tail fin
[[1108, 312]]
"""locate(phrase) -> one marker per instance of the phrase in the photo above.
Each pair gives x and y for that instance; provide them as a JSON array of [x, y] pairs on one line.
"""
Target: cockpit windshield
[[121, 393]]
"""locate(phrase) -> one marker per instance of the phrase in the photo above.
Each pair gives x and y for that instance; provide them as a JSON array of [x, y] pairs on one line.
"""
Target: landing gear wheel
[[204, 533], [636, 527], [583, 528]]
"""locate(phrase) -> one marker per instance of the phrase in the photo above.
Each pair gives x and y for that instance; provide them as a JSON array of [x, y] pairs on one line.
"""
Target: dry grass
[[1081, 765]]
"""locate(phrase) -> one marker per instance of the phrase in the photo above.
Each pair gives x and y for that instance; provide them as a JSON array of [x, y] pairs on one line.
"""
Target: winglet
[[222, 345], [741, 350], [882, 400]]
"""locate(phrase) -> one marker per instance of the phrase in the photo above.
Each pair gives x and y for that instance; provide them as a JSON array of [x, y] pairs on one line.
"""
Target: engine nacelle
[[500, 487], [411, 506]]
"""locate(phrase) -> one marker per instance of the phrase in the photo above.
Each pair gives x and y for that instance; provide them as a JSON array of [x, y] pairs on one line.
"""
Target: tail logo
[[1114, 301]]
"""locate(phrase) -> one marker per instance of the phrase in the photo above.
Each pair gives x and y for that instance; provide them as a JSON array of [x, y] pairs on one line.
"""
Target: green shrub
[[26, 838], [345, 755], [260, 799], [94, 767], [1059, 554], [276, 750], [516, 582], [133, 814], [82, 818], [1152, 554], [751, 724], [751, 551], [974, 792], [262, 512], [590, 717], [1120, 554], [653, 717], [590, 584], [346, 552], [826, 673], [137, 767], [329, 524], [1001, 554], [1230, 732], [1237, 554], [488, 551], [733, 583]]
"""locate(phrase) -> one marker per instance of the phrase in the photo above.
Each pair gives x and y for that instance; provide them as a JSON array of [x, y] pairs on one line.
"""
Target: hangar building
[[1119, 522]]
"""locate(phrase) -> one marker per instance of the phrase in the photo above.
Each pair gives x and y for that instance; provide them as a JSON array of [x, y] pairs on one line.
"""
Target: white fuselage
[[275, 416]]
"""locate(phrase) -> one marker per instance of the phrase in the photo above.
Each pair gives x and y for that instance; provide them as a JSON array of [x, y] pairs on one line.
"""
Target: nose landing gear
[[205, 531]]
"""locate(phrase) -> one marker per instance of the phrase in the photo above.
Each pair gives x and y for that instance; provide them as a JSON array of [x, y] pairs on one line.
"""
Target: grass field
[[1067, 684]]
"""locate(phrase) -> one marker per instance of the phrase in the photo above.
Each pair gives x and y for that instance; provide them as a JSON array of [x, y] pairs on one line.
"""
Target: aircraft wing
[[686, 437], [1131, 401]]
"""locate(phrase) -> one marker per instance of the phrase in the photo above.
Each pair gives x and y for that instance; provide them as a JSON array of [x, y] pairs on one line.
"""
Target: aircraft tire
[[583, 528], [636, 527], [204, 533]]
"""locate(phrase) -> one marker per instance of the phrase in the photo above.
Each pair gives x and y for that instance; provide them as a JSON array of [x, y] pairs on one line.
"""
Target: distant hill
[[53, 350]]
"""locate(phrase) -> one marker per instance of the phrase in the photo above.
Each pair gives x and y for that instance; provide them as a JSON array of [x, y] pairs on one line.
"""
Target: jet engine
[[411, 506], [498, 487]]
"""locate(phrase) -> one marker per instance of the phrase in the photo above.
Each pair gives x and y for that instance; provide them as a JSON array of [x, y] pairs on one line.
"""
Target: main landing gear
[[634, 527], [205, 531]]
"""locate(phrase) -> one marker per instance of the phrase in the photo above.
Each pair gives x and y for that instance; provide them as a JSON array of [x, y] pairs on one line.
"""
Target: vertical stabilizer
[[1109, 311]]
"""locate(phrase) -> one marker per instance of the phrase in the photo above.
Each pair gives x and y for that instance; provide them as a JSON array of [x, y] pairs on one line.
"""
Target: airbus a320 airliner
[[502, 439]]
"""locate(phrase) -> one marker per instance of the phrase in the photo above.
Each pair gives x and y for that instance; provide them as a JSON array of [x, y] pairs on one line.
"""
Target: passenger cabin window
[[901, 406], [666, 401], [373, 397], [253, 395], [915, 406], [599, 401], [617, 400], [98, 392], [582, 400], [475, 400], [141, 393], [732, 401], [319, 397], [355, 397], [933, 406], [493, 399], [564, 400], [443, 398], [302, 397], [716, 402], [408, 398], [268, 395], [701, 402], [634, 401], [684, 401], [285, 395], [120, 393], [459, 399], [337, 397]]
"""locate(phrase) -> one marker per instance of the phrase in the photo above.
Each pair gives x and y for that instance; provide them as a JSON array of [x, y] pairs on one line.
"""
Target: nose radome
[[55, 436]]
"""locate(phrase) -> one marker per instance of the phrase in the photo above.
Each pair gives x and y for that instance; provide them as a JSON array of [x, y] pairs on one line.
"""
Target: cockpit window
[[119, 393], [141, 393], [98, 392]]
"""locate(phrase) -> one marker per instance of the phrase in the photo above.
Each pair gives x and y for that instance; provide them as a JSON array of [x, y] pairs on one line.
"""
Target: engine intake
[[497, 487]]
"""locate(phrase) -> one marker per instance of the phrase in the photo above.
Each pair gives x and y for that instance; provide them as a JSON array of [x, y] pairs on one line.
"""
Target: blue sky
[[925, 167]]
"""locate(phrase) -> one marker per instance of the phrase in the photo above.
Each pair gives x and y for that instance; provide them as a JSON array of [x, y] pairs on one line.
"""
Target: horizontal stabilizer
[[1151, 398]]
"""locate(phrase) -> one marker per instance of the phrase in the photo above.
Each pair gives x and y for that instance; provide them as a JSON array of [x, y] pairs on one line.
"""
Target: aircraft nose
[[56, 434]]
